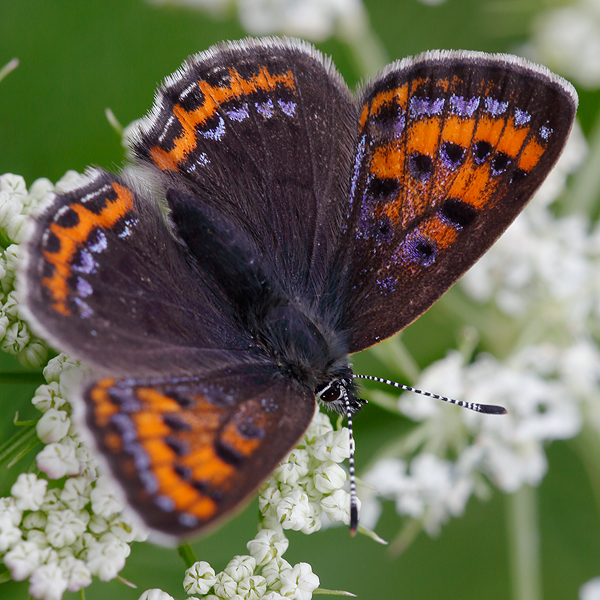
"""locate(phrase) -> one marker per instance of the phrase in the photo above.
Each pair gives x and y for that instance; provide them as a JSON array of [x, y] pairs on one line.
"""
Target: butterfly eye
[[330, 392]]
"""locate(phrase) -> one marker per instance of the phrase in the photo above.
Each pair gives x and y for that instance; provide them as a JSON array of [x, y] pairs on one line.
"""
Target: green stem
[[587, 445], [406, 537], [16, 442], [326, 592], [395, 355], [24, 451], [187, 553], [523, 544]]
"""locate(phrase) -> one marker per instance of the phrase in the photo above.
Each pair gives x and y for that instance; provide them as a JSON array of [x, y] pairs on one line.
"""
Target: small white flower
[[155, 594], [9, 533], [34, 355], [313, 519], [293, 509], [76, 572], [225, 586], [329, 477], [71, 378], [22, 559], [125, 530], [76, 493], [199, 578], [53, 425], [39, 539], [48, 582], [293, 467], [320, 425], [52, 501], [57, 365], [13, 186], [272, 595], [28, 491], [98, 524], [299, 582], [35, 520], [590, 590], [337, 506], [272, 572], [16, 338], [8, 506], [267, 545], [38, 190], [57, 460], [106, 557], [47, 396], [252, 588], [11, 205], [240, 567], [268, 500], [104, 499], [63, 528], [333, 445], [66, 181]]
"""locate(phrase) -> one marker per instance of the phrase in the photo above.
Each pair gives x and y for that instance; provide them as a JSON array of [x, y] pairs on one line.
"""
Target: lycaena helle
[[270, 225]]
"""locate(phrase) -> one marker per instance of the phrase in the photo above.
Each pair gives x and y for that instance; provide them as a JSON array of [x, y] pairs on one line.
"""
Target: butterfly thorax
[[306, 350]]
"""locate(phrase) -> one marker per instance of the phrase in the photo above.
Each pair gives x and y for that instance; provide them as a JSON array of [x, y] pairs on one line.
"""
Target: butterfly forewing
[[451, 146], [106, 280], [262, 131]]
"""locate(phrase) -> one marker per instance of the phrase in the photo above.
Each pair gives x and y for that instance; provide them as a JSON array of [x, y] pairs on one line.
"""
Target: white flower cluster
[[262, 575], [60, 536], [535, 386], [544, 266], [308, 484], [314, 20], [545, 274], [16, 202], [567, 39]]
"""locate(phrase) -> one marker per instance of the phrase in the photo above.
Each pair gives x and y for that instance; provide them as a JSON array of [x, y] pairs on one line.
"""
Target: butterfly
[[270, 224]]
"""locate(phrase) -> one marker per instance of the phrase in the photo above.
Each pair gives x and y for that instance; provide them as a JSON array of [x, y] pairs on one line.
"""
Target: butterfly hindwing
[[451, 146], [187, 451]]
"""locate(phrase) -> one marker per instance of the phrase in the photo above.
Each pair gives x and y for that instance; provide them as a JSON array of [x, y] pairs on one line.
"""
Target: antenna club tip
[[491, 409], [353, 520]]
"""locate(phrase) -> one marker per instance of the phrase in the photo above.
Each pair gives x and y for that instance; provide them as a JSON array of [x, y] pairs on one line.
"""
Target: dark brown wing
[[188, 451], [451, 147]]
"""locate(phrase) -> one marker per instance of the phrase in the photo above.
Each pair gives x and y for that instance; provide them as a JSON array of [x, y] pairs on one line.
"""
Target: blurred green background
[[78, 58]]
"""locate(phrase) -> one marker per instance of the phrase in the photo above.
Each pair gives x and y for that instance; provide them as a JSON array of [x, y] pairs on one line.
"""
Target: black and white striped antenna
[[487, 409]]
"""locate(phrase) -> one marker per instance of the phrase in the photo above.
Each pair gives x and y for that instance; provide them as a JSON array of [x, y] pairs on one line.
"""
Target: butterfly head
[[339, 394]]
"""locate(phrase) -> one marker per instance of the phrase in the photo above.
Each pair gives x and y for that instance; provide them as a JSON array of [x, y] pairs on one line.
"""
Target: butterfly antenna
[[353, 501], [488, 409]]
